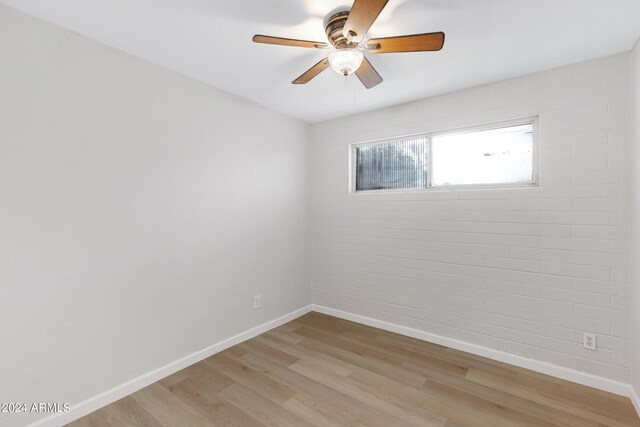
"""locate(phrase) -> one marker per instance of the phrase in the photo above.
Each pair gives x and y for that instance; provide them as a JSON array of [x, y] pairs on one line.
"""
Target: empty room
[[319, 213]]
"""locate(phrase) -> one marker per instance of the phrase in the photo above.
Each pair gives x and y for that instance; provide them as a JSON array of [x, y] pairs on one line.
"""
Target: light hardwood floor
[[322, 371]]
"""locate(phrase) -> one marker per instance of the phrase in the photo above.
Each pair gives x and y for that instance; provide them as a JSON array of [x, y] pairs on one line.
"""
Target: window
[[494, 156], [498, 155], [392, 165]]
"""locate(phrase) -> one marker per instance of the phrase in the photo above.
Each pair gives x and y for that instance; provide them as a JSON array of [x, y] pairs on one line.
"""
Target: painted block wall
[[522, 270], [140, 211]]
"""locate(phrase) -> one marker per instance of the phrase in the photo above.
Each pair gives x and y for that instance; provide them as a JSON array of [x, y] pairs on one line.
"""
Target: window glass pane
[[393, 165], [495, 156]]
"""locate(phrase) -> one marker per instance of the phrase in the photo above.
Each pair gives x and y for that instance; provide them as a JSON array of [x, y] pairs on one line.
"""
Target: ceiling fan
[[346, 30]]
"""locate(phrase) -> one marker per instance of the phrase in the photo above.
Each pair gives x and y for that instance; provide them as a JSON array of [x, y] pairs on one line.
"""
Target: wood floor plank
[[307, 407], [166, 407], [327, 400], [505, 399], [95, 419], [576, 407], [289, 337], [265, 410], [269, 352], [399, 356], [490, 412], [242, 374], [371, 396], [415, 400], [358, 356], [202, 395], [444, 353], [330, 325], [127, 412], [321, 371], [303, 352], [452, 373]]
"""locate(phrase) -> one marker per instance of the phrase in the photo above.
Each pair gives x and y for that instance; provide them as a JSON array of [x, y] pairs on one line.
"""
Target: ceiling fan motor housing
[[334, 25]]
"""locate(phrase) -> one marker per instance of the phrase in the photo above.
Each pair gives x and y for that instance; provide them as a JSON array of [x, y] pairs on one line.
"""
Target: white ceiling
[[487, 41]]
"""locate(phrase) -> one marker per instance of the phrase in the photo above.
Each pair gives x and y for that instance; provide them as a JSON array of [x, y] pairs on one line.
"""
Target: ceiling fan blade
[[412, 43], [259, 38], [368, 75], [362, 16], [312, 72]]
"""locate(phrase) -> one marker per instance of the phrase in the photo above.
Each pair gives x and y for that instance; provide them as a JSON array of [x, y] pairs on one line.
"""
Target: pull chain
[[354, 94], [346, 88]]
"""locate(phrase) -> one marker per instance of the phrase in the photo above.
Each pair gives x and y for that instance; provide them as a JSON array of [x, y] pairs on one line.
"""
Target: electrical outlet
[[589, 341], [256, 302]]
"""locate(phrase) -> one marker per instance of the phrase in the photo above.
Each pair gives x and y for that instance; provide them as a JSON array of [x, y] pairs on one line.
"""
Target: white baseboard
[[118, 392], [572, 375], [635, 399]]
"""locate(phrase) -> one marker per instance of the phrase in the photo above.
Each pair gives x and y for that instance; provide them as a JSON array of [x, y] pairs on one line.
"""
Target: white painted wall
[[634, 184], [522, 270], [139, 213]]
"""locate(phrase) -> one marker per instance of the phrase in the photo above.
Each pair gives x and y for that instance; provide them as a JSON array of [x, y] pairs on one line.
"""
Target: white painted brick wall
[[524, 270]]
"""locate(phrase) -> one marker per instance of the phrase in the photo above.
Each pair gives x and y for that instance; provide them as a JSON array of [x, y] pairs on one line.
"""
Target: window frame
[[529, 120]]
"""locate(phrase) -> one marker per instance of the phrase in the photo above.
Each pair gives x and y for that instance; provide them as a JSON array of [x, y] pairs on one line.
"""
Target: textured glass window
[[493, 156], [394, 165]]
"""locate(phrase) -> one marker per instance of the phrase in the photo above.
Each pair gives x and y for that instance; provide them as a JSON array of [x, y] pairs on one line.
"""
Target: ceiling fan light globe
[[345, 61]]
